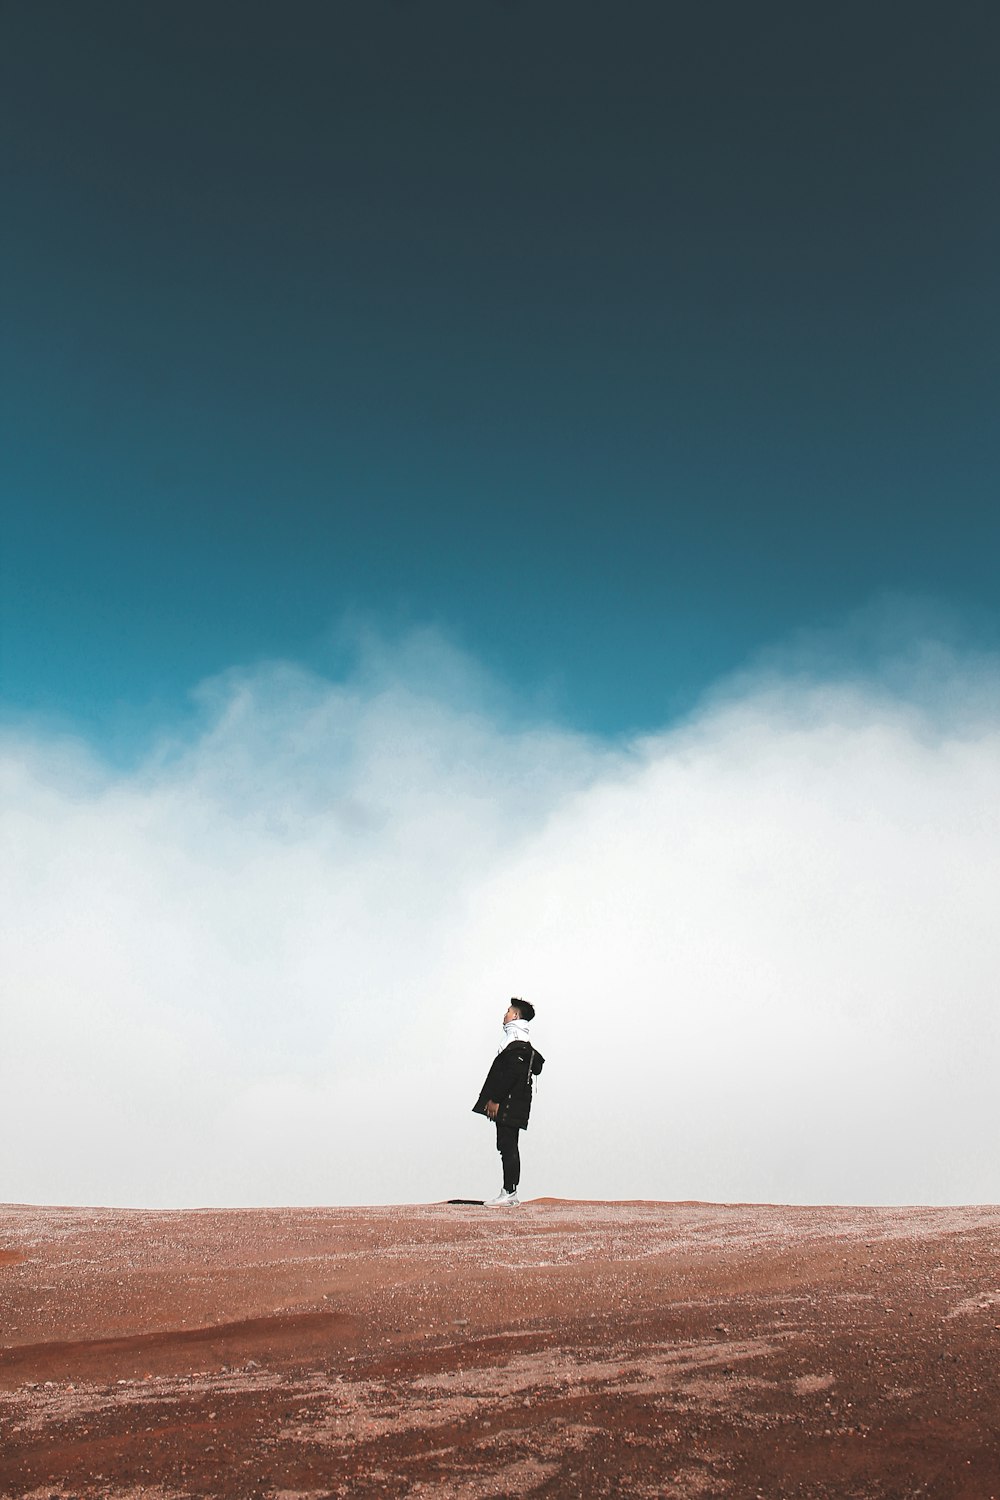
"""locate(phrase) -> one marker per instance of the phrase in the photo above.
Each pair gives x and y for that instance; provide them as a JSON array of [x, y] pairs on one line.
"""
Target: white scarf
[[515, 1031]]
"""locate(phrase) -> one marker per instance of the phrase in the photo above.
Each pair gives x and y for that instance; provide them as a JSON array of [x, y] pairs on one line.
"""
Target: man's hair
[[524, 1008]]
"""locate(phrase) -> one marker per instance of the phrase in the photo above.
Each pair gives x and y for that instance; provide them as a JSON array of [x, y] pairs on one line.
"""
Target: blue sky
[[500, 498], [616, 344]]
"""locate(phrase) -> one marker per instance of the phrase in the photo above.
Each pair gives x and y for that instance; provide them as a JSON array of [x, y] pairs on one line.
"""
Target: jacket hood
[[523, 1049]]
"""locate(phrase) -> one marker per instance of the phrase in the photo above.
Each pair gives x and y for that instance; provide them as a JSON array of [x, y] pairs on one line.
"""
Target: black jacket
[[509, 1083]]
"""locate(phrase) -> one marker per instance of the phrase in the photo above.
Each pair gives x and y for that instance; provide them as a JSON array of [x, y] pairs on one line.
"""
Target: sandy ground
[[562, 1349]]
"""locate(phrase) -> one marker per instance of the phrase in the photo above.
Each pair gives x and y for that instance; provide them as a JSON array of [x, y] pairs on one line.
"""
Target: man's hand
[[492, 1109]]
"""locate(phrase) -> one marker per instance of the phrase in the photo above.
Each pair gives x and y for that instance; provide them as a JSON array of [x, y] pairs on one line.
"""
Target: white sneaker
[[503, 1200]]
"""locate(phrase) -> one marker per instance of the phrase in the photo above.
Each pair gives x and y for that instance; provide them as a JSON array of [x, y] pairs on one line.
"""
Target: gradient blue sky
[[619, 342]]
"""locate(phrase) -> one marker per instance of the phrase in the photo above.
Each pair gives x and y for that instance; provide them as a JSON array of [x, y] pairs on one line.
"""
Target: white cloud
[[269, 965]]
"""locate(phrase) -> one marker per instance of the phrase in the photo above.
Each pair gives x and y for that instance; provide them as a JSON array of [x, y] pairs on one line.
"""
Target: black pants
[[510, 1155]]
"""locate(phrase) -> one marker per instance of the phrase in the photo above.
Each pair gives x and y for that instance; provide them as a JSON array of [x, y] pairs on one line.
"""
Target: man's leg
[[510, 1155]]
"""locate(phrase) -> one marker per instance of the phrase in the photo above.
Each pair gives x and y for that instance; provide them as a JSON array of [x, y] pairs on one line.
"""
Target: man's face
[[511, 1015]]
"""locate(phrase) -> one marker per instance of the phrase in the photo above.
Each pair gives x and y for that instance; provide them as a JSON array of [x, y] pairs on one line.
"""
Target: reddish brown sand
[[562, 1349]]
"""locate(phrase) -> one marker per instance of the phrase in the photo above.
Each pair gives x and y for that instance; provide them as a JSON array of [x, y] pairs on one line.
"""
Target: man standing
[[506, 1095]]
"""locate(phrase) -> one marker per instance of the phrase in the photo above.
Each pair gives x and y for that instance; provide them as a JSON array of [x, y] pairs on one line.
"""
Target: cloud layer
[[269, 965]]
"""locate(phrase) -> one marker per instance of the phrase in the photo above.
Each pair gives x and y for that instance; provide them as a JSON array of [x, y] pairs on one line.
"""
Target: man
[[506, 1095]]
